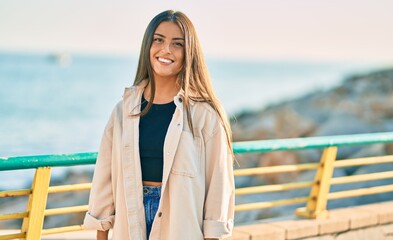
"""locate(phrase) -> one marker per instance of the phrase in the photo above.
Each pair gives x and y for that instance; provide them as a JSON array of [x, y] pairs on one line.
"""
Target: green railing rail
[[55, 160], [316, 202], [290, 144]]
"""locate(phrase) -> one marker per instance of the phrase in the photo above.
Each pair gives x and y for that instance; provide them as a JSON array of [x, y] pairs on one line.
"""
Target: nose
[[166, 48]]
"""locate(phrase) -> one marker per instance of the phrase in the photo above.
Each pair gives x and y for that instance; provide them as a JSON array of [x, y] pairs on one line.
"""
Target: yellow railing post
[[33, 223], [317, 201]]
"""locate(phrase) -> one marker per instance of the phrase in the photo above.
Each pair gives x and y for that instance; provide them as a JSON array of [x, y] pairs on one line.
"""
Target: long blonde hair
[[193, 78]]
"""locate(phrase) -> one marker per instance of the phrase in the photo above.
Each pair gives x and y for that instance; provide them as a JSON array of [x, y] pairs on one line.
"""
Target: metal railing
[[316, 202]]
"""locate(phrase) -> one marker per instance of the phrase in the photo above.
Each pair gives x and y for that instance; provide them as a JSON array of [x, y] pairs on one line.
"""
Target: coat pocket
[[187, 161]]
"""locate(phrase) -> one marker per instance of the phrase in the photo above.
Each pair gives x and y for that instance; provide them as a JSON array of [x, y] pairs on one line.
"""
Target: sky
[[334, 30]]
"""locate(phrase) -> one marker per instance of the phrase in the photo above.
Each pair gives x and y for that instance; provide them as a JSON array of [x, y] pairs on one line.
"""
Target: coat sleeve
[[220, 189], [101, 211]]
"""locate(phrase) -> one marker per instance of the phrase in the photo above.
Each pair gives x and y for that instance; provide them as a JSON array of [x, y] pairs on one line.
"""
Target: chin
[[166, 74]]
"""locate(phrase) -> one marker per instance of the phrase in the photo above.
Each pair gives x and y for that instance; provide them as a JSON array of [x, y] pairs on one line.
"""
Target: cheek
[[180, 57], [153, 51]]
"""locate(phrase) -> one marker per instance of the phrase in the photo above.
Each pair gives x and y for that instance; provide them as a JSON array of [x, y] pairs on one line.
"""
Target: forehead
[[169, 29]]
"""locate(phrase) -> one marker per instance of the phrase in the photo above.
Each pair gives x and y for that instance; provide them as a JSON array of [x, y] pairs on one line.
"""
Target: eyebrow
[[178, 38]]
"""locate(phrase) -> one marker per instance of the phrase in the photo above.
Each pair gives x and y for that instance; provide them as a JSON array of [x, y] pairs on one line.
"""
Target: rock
[[245, 161], [374, 197], [338, 125], [275, 159], [12, 205], [67, 199]]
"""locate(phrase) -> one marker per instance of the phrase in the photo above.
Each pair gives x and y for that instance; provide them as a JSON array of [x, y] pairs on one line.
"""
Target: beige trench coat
[[197, 194]]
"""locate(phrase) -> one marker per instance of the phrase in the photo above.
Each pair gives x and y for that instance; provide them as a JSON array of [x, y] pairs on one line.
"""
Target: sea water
[[52, 104]]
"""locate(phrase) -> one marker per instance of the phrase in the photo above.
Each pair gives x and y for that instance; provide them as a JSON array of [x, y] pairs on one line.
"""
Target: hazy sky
[[355, 30]]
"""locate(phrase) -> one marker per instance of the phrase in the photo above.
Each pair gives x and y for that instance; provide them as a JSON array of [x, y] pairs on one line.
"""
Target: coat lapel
[[172, 139], [132, 175]]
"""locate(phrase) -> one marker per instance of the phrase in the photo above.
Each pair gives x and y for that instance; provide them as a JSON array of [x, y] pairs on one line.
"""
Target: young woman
[[164, 168]]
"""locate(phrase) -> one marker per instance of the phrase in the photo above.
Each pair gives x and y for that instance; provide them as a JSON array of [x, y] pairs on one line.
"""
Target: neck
[[166, 89]]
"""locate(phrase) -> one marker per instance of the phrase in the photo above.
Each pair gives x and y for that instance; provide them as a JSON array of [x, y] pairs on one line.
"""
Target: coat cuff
[[217, 229], [104, 224]]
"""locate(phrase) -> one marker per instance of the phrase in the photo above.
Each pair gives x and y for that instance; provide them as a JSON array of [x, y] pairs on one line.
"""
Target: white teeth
[[164, 60]]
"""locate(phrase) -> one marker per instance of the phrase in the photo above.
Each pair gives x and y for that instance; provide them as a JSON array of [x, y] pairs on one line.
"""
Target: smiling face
[[167, 51]]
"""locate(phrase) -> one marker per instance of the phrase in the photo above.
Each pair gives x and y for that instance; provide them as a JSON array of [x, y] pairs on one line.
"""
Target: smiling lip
[[164, 60]]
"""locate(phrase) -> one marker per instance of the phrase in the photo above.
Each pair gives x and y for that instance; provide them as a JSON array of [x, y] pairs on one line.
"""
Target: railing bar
[[12, 236], [10, 216], [58, 160], [26, 162], [312, 166], [260, 205], [311, 142], [70, 187], [15, 193], [363, 161], [65, 210], [272, 188], [275, 169], [362, 177], [62, 229], [360, 192], [53, 189]]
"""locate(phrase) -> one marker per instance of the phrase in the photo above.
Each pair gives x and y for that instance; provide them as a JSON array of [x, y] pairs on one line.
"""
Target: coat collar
[[134, 106]]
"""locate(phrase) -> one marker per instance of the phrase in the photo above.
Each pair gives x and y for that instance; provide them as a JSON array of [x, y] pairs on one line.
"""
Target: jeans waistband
[[153, 191]]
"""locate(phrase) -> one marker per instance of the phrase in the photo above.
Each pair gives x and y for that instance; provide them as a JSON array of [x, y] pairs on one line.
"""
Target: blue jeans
[[151, 199]]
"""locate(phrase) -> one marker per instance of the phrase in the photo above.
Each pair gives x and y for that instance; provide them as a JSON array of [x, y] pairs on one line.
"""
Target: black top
[[152, 131]]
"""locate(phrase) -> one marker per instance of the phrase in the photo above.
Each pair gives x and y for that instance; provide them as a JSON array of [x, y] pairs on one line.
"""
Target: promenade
[[368, 222]]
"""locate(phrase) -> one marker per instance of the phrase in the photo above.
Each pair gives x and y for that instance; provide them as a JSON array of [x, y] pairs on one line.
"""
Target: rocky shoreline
[[361, 104]]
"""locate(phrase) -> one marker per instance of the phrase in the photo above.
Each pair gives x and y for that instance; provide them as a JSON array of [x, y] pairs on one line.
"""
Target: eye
[[178, 44], [159, 40]]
